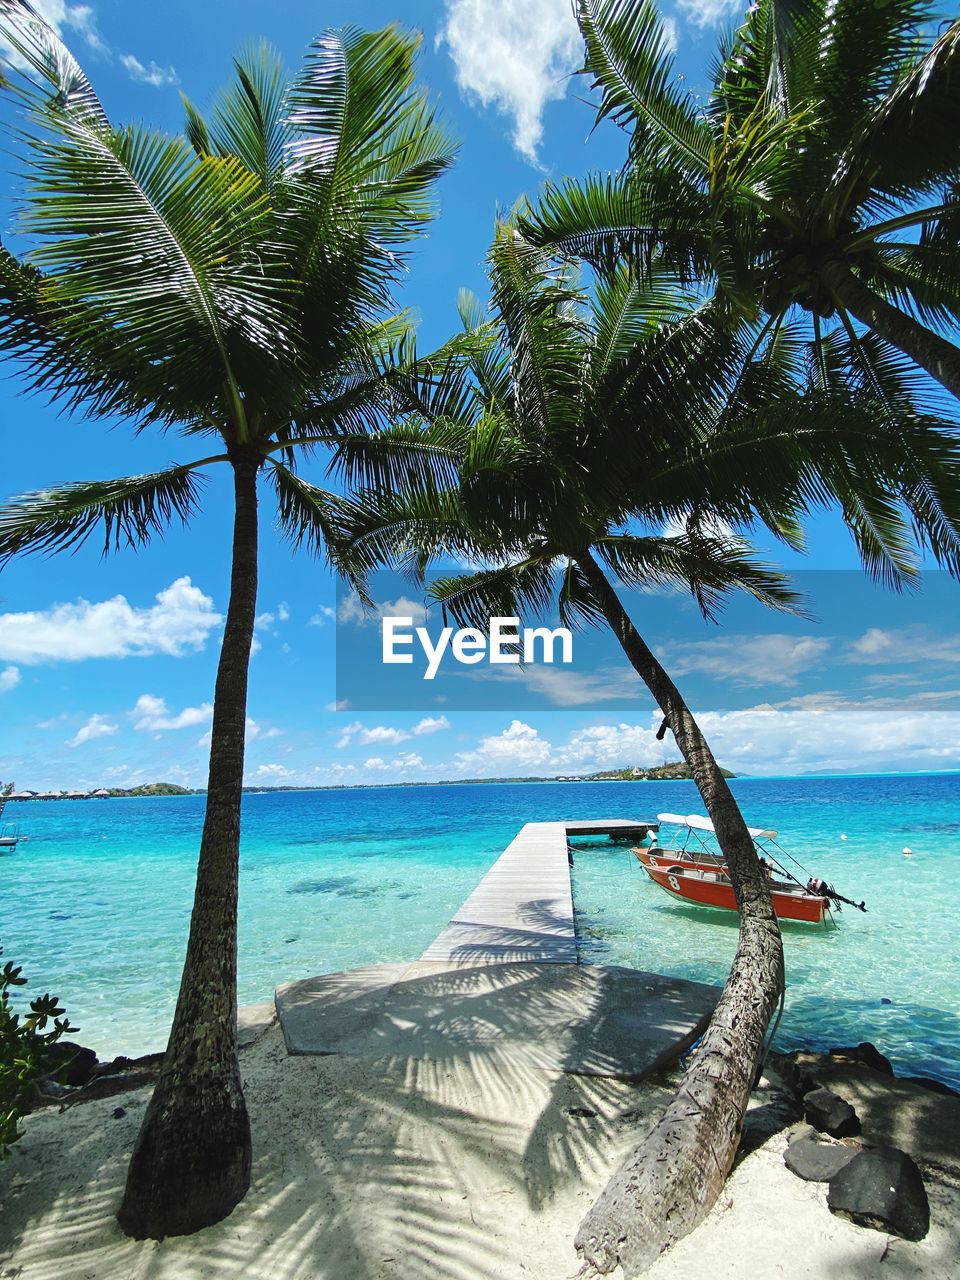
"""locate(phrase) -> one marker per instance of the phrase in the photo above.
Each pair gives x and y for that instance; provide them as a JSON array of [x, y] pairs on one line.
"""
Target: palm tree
[[228, 285], [593, 417], [822, 172]]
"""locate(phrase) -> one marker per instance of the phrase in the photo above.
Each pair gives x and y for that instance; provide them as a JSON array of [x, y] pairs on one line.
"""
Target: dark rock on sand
[[817, 1161], [72, 1063], [882, 1188], [913, 1115], [829, 1113]]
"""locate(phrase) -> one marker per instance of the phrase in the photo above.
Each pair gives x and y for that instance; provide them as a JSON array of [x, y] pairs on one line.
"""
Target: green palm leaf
[[130, 510], [249, 121], [629, 57]]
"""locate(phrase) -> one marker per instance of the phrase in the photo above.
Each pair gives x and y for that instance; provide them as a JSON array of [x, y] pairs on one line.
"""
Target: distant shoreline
[[490, 782]]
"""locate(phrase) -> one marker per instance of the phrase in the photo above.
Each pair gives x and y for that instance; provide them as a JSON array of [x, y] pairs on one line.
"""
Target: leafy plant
[[26, 1051]]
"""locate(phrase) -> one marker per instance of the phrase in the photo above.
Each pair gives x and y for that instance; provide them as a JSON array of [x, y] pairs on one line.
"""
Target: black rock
[[868, 1054], [829, 1113], [882, 1188], [72, 1063], [816, 1161], [118, 1113]]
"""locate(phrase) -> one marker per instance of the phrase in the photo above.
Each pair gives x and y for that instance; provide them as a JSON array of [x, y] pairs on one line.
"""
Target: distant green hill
[[675, 772], [149, 789]]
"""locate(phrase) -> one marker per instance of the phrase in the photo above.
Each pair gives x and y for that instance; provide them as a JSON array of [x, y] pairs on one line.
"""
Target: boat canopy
[[700, 823]]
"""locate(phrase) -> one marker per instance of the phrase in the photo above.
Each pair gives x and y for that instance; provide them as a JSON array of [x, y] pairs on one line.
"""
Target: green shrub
[[26, 1052]]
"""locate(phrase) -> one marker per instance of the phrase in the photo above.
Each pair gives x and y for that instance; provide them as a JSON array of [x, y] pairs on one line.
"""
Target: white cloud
[[711, 13], [274, 771], [381, 733], [815, 732], [151, 74], [606, 746], [747, 660], [334, 772], [9, 679], [515, 57], [81, 19], [323, 615], [829, 733], [58, 15], [566, 688], [182, 618], [53, 721], [283, 611], [151, 714], [431, 724], [516, 750], [96, 727], [342, 705], [912, 644], [401, 763], [351, 611], [357, 734]]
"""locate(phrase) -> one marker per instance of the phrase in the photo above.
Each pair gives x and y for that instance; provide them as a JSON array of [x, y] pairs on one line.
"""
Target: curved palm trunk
[[940, 358], [191, 1163], [669, 1183]]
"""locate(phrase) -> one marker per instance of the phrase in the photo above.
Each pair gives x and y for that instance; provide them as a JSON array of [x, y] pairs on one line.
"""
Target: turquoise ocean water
[[95, 903]]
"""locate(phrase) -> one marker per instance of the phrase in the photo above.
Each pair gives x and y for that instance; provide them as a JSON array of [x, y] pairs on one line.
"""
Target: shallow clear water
[[95, 904]]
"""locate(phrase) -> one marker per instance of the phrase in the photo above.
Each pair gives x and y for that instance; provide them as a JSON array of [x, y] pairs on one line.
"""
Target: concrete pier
[[522, 909]]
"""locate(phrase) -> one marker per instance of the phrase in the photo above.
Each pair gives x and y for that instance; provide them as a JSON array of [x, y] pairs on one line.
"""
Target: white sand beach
[[370, 1168]]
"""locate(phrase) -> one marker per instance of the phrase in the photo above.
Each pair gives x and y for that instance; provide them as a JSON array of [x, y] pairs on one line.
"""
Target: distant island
[[673, 772], [676, 772], [108, 793]]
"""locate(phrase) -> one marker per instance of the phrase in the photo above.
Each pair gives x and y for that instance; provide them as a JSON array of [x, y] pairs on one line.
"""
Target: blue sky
[[107, 665]]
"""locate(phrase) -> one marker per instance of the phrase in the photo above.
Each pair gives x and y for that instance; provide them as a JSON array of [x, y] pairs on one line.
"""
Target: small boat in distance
[[9, 836], [693, 869]]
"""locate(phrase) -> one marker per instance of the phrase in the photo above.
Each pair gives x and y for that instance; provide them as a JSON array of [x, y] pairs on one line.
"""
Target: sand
[[367, 1169]]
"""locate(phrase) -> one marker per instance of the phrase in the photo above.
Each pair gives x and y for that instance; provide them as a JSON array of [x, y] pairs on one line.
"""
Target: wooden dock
[[522, 909]]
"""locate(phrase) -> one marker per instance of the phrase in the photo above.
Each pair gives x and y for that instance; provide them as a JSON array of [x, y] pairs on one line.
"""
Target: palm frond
[[406, 456], [161, 245], [248, 120], [376, 529], [632, 216], [630, 60], [519, 589], [306, 514], [27, 32], [711, 567], [361, 125], [130, 509]]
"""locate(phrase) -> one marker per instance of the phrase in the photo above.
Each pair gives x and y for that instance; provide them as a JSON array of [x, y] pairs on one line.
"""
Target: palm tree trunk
[[191, 1163], [940, 358], [669, 1183]]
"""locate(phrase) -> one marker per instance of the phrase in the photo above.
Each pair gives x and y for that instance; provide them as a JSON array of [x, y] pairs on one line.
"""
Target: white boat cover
[[700, 823]]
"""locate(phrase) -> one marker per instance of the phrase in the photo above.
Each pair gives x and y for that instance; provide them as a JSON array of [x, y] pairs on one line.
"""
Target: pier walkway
[[500, 992], [522, 909]]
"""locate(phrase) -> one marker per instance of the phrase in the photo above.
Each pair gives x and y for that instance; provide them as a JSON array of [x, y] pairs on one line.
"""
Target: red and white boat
[[692, 869], [713, 889]]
